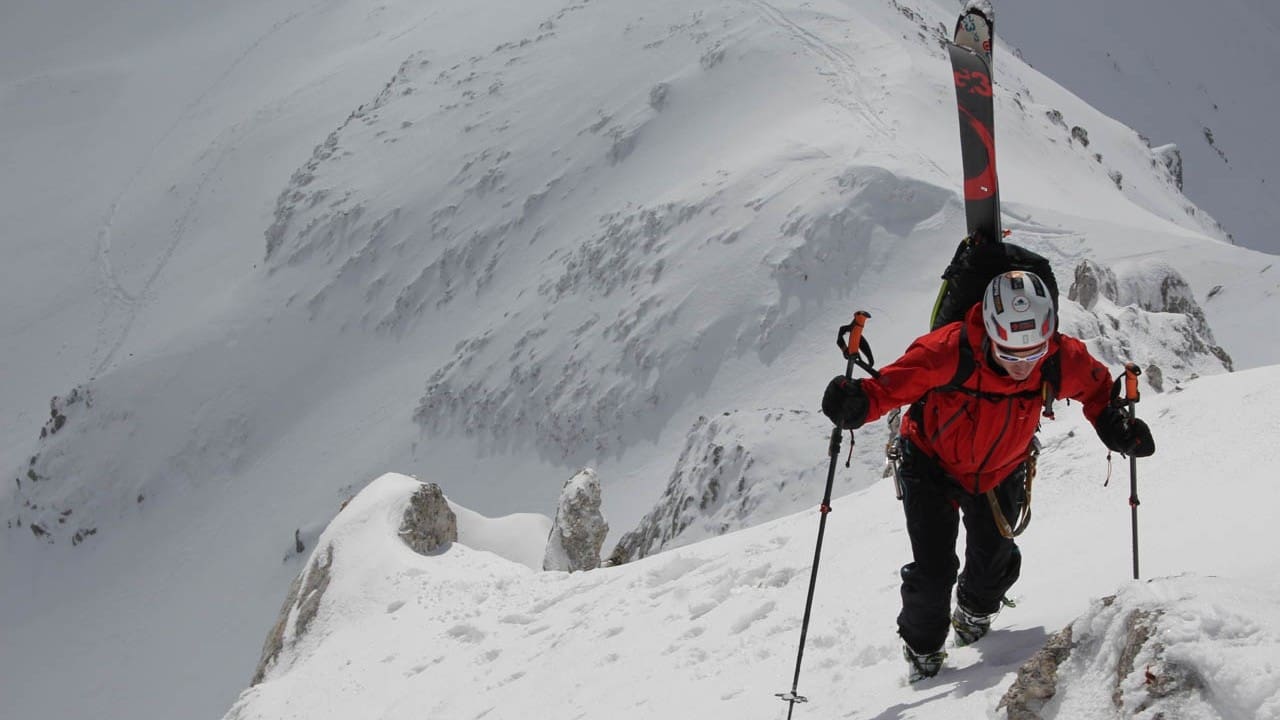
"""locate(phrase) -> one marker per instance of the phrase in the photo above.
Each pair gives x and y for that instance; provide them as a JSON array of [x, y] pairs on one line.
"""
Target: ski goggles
[[1008, 356]]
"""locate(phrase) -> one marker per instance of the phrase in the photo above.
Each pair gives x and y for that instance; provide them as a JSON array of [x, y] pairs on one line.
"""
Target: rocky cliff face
[[1146, 313], [297, 613], [742, 468]]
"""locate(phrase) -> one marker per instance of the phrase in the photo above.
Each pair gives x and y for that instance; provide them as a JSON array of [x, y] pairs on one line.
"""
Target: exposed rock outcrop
[[1037, 681], [42, 502], [742, 468], [710, 481], [1144, 312], [1141, 654], [429, 523], [579, 529], [1091, 282], [1170, 158], [1164, 684], [300, 607]]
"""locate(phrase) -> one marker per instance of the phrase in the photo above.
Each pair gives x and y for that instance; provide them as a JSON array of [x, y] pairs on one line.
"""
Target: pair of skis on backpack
[[983, 254]]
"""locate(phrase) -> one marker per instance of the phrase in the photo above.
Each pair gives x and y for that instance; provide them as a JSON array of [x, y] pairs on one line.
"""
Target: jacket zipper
[[937, 433]]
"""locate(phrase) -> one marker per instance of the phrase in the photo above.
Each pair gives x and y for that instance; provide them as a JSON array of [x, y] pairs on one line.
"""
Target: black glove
[[1123, 434], [845, 403]]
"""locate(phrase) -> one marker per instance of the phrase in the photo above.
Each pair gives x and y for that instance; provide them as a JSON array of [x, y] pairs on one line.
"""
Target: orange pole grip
[[1131, 373], [855, 332]]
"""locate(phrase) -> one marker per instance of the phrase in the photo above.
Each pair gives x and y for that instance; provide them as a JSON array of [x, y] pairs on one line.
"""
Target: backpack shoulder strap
[[964, 368], [966, 365], [1051, 374]]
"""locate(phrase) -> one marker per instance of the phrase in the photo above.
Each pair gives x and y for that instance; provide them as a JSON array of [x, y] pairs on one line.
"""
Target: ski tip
[[975, 28], [982, 7]]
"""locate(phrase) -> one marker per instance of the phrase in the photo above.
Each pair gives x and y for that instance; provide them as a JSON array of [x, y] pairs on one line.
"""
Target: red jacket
[[978, 441]]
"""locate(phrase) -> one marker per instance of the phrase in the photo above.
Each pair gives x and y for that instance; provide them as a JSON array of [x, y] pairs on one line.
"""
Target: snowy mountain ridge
[[556, 237], [710, 628]]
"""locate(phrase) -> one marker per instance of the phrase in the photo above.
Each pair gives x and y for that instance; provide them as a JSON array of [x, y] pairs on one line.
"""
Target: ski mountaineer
[[966, 447]]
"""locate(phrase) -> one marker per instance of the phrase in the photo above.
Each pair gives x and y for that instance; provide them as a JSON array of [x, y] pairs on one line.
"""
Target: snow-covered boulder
[[579, 528], [1179, 647]]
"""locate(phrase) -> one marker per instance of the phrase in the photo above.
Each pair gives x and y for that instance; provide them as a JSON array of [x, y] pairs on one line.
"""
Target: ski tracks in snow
[[844, 73], [116, 297]]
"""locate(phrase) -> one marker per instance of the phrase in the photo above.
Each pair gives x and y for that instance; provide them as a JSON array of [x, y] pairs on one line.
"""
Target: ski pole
[[1131, 373], [853, 351]]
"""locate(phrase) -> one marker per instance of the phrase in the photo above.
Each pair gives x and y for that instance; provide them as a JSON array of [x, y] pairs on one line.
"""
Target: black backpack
[[973, 266], [963, 282]]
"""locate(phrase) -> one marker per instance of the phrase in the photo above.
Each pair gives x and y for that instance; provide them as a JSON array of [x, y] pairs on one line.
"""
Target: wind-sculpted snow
[[637, 328], [647, 331], [627, 327]]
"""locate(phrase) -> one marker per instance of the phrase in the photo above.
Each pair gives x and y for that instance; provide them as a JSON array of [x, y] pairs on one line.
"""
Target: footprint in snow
[[752, 617], [466, 633], [697, 610]]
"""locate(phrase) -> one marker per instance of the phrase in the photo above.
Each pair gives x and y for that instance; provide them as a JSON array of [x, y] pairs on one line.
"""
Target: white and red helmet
[[1017, 310]]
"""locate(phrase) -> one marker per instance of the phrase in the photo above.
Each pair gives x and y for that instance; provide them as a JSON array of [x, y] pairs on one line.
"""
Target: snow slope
[[1177, 74], [275, 250], [710, 630]]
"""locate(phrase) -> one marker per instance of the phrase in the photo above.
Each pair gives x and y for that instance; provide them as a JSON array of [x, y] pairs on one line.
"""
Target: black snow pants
[[933, 503]]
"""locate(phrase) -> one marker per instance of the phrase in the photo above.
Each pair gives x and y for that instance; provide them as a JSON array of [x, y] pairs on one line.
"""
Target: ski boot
[[922, 665], [970, 626]]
